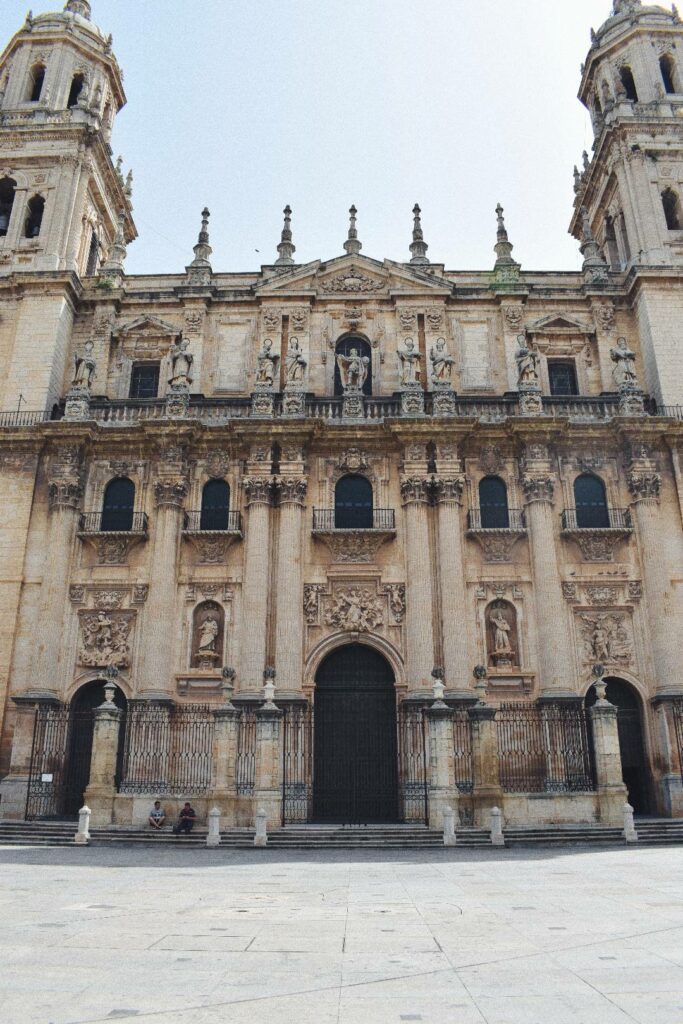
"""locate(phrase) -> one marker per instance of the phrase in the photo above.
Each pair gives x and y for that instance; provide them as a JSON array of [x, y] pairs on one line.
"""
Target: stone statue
[[207, 637], [267, 365], [353, 370], [527, 363], [182, 364], [409, 361], [295, 364], [625, 365], [442, 362], [84, 368], [501, 634]]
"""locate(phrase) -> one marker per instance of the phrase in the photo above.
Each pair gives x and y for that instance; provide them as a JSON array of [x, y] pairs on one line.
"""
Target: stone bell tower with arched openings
[[62, 198], [630, 194]]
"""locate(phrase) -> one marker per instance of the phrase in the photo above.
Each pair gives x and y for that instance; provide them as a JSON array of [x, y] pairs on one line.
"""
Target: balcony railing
[[327, 519], [92, 523], [213, 520], [511, 519], [25, 418], [599, 518]]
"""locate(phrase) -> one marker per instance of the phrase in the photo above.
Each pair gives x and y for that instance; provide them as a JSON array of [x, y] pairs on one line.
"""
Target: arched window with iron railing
[[493, 504], [590, 501], [118, 506], [353, 503], [215, 513]]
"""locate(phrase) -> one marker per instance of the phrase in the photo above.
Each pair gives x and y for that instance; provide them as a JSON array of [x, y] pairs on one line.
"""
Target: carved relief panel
[[363, 605]]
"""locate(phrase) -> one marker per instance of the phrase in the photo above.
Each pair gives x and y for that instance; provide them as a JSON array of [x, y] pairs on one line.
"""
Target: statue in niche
[[267, 365], [353, 370], [295, 364], [181, 361], [501, 634], [208, 635], [84, 369], [527, 363], [442, 363], [409, 362], [625, 365]]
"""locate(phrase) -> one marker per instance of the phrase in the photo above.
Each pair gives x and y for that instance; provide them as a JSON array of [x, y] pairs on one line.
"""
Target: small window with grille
[[562, 377], [144, 380]]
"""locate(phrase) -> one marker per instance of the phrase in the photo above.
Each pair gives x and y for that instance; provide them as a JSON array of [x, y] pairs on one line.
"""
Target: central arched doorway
[[634, 766], [355, 770], [81, 729]]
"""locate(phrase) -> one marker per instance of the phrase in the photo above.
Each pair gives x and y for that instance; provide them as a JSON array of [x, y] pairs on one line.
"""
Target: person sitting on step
[[157, 816], [186, 819]]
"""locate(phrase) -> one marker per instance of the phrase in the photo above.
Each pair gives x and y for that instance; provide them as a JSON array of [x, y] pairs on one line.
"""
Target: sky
[[247, 105]]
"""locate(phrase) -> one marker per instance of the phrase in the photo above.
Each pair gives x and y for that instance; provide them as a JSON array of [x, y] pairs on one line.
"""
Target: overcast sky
[[246, 105]]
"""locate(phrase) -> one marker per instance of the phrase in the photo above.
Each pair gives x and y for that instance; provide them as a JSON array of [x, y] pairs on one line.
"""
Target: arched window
[[7, 189], [590, 499], [36, 80], [672, 209], [118, 505], [93, 256], [34, 216], [77, 83], [353, 503], [215, 506], [668, 70], [628, 82], [349, 349], [493, 504]]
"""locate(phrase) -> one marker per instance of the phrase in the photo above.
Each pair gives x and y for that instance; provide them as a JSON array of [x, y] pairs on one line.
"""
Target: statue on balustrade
[[295, 364], [84, 368], [181, 361], [625, 365], [353, 370], [267, 365], [442, 363], [527, 364], [409, 362]]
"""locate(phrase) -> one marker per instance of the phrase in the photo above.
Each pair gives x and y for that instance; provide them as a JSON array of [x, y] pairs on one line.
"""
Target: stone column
[[487, 791], [668, 757], [289, 632], [611, 791], [256, 584], [160, 617], [555, 655], [454, 616], [223, 780], [419, 629], [101, 791], [268, 781], [443, 792]]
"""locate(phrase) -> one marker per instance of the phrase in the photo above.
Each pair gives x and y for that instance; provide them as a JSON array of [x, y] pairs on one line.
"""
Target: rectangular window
[[562, 376], [144, 380]]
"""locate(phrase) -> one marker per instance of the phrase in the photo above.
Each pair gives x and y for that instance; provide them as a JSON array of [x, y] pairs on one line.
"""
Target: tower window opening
[[93, 256], [7, 190], [672, 210], [667, 68], [36, 82], [34, 219], [612, 244], [77, 84], [629, 84], [623, 234]]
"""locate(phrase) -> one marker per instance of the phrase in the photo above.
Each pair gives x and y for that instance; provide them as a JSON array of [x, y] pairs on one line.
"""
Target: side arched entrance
[[355, 768], [634, 766]]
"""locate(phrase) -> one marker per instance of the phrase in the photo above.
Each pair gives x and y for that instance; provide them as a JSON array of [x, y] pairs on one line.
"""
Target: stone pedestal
[[294, 401], [487, 792], [443, 400], [101, 791], [226, 726], [178, 401], [611, 790], [631, 401], [268, 778], [263, 403], [443, 793], [352, 404], [530, 400], [77, 404], [256, 584], [412, 400], [419, 630]]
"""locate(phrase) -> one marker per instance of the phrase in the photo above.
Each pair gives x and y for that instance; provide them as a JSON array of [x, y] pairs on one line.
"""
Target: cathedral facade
[[351, 540]]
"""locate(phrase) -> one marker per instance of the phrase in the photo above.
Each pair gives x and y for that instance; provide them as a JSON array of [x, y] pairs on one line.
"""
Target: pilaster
[[258, 489], [419, 597]]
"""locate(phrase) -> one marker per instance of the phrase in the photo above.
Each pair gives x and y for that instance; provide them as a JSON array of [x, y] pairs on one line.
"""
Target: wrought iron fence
[[678, 729], [544, 749], [598, 517], [245, 768], [92, 522], [327, 518], [59, 769], [412, 764], [497, 519], [464, 770], [216, 520], [297, 764], [167, 749]]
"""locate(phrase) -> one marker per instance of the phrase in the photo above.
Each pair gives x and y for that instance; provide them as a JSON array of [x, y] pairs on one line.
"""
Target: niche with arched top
[[8, 187], [208, 628], [350, 348], [502, 640]]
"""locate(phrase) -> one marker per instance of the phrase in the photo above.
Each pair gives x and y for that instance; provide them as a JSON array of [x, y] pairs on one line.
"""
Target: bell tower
[[630, 194], [60, 193]]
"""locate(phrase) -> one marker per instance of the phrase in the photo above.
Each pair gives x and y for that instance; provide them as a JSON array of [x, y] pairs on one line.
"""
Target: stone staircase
[[370, 837]]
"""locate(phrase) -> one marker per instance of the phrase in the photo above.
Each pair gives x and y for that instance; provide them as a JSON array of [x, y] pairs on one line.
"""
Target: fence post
[[101, 789], [213, 837], [497, 837], [443, 793], [611, 791], [14, 787], [668, 723], [261, 833], [487, 792], [224, 766], [82, 837], [268, 780], [630, 834], [449, 836]]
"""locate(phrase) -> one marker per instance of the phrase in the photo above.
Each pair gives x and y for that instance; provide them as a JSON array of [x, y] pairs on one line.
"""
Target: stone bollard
[[82, 837], [497, 837], [630, 834], [214, 834], [261, 834], [449, 836]]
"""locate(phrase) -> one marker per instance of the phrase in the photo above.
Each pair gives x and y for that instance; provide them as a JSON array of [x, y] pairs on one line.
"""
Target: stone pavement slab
[[360, 937]]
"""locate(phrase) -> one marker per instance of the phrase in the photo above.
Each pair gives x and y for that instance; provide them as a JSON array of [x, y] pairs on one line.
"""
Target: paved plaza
[[568, 936]]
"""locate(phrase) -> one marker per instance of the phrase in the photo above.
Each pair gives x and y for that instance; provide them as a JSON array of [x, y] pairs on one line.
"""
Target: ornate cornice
[[292, 490]]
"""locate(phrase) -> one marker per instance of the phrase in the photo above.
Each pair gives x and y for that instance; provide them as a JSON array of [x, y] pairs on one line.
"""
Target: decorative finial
[[202, 249], [128, 189], [352, 245], [81, 7], [418, 247], [594, 266], [503, 247], [625, 6], [286, 248]]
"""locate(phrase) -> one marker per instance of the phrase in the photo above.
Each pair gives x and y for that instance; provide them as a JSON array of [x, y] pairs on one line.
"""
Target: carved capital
[[644, 486], [65, 494], [292, 490], [538, 488], [413, 490], [258, 490], [449, 490], [171, 491]]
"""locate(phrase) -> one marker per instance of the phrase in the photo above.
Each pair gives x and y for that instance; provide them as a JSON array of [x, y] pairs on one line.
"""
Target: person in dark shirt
[[186, 819]]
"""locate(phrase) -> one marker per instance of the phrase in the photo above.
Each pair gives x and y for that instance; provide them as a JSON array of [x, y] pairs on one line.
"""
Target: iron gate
[[59, 770], [412, 764], [297, 764], [678, 726], [544, 749]]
